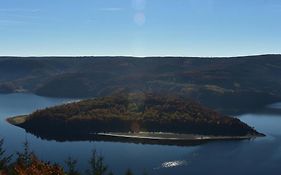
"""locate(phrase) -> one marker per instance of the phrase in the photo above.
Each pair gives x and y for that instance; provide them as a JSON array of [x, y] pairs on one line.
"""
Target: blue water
[[259, 156]]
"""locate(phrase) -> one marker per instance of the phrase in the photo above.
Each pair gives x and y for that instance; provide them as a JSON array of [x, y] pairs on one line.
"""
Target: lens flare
[[139, 18]]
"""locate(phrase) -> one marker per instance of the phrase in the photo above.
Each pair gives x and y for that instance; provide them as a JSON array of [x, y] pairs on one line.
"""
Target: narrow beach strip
[[173, 136]]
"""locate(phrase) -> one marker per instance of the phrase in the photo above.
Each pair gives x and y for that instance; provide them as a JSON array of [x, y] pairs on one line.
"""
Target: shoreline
[[174, 136], [17, 120], [150, 136]]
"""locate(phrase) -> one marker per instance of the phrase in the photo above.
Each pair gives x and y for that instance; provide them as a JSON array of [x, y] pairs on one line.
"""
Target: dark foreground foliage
[[27, 163]]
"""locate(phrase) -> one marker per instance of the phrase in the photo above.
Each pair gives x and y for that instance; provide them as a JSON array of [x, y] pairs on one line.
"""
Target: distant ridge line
[[189, 57]]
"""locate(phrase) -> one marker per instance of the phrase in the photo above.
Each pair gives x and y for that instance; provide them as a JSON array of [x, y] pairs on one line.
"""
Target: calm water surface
[[259, 156]]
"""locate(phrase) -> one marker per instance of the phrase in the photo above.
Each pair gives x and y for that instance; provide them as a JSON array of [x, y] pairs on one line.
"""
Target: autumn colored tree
[[37, 167], [28, 164]]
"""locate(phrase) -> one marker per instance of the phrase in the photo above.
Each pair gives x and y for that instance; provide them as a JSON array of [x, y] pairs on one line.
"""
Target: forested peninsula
[[132, 113]]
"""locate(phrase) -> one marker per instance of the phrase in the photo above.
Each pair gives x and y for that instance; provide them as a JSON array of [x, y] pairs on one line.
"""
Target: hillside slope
[[229, 85]]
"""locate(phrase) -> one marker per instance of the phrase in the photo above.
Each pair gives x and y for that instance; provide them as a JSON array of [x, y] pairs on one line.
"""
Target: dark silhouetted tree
[[71, 166], [4, 160], [97, 165], [25, 157], [129, 172]]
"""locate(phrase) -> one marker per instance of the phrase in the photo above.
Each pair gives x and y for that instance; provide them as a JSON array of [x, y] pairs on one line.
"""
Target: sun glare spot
[[172, 164]]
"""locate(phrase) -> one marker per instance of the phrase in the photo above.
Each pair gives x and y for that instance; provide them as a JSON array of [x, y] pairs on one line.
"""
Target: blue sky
[[140, 27]]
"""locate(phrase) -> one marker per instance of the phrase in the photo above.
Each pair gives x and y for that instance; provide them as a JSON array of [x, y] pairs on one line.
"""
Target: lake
[[258, 156]]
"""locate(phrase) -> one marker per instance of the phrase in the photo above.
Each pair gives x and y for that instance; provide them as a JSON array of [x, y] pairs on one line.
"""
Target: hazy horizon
[[162, 56]]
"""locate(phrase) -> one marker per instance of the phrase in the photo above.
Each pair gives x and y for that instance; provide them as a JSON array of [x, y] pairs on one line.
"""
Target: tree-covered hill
[[134, 113], [229, 85]]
